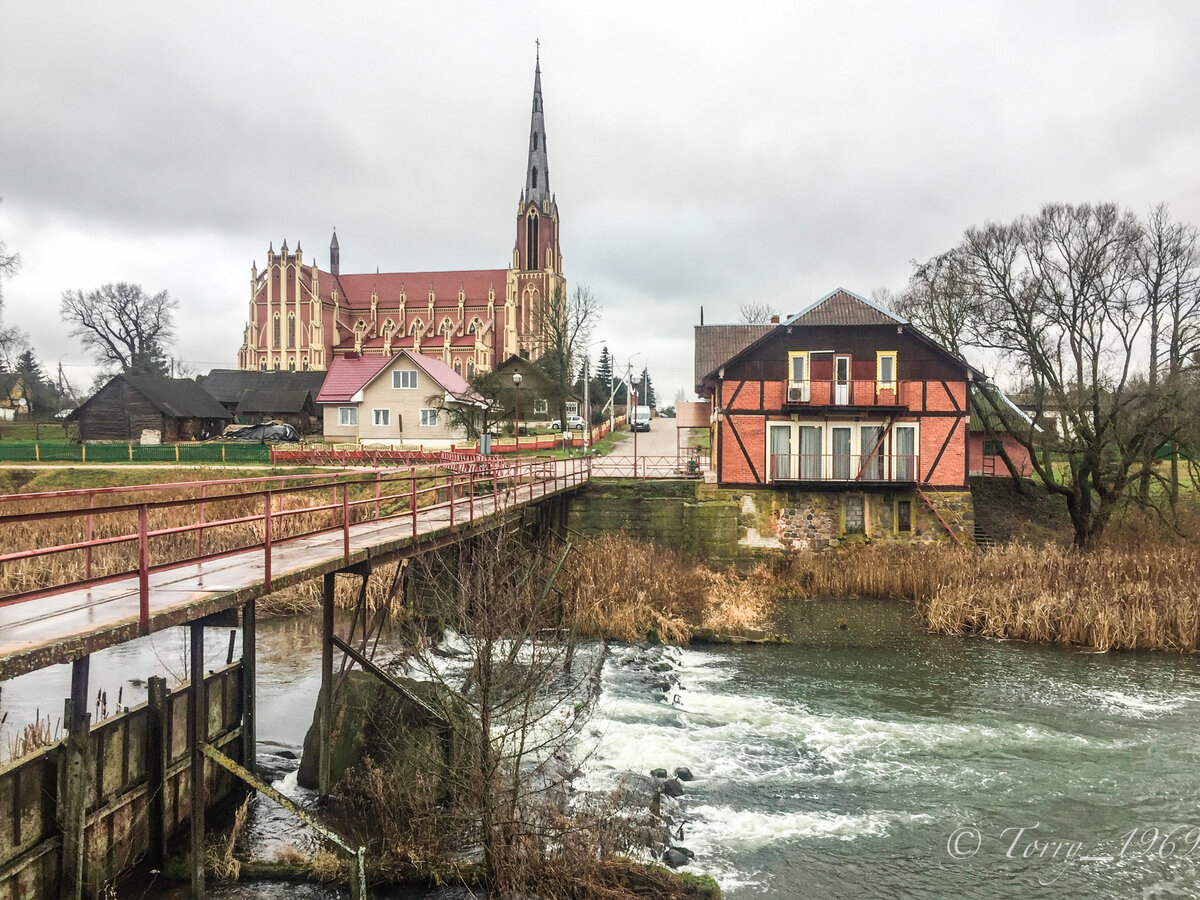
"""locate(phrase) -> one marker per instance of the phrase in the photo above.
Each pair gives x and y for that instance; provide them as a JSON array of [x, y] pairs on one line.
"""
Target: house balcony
[[855, 394], [845, 470]]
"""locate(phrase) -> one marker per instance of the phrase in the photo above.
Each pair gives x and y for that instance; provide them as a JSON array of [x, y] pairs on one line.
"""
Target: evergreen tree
[[43, 395], [604, 369], [646, 395]]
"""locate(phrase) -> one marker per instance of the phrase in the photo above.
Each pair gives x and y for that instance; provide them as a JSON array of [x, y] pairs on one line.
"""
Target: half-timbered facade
[[849, 400]]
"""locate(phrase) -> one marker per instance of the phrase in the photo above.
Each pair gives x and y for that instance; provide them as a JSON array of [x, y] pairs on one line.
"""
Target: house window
[[572, 407], [904, 448], [810, 452], [871, 457], [904, 516], [347, 416], [779, 462], [429, 418], [541, 406], [797, 377], [854, 515], [404, 379], [839, 451], [885, 369], [381, 417], [991, 448]]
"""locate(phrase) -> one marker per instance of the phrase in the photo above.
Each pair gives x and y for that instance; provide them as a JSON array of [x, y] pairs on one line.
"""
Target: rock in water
[[371, 719], [658, 773], [677, 856], [672, 788], [683, 773]]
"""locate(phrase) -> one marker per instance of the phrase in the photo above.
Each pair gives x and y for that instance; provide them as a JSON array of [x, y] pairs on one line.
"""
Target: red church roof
[[475, 285]]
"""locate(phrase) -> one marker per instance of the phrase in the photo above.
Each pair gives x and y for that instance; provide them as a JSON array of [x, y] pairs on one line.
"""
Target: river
[[866, 758]]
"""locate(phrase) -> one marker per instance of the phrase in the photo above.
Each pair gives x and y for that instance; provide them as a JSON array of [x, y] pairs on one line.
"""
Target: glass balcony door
[[841, 380]]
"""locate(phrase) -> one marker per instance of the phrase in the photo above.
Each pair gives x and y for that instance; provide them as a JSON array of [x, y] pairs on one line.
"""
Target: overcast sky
[[703, 154]]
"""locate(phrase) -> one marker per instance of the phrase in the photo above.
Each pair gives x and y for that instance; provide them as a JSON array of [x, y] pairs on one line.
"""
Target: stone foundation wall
[[722, 524]]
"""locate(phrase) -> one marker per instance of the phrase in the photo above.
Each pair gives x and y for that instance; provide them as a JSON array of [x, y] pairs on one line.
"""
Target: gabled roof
[[274, 401], [843, 307], [717, 343], [348, 375], [178, 398], [234, 385], [838, 308]]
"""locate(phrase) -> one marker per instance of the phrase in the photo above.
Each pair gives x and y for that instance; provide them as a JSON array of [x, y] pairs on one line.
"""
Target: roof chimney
[[774, 320]]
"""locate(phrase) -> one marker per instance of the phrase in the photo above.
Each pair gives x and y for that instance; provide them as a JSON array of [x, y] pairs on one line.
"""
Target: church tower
[[537, 259]]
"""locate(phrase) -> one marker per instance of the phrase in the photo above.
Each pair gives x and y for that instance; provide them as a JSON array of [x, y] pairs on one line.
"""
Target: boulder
[[683, 773], [658, 773], [677, 856], [672, 788], [371, 719]]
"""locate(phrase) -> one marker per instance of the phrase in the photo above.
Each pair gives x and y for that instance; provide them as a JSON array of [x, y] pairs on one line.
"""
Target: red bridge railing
[[51, 542]]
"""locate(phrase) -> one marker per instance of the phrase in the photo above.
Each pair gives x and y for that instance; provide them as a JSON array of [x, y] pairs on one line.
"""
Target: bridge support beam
[[197, 734]]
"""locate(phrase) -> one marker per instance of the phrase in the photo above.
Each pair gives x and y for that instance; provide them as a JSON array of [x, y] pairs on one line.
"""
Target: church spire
[[537, 170]]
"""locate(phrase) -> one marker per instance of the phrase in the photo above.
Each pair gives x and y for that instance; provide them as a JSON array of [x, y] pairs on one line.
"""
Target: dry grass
[[1138, 590], [219, 860], [33, 737], [625, 589]]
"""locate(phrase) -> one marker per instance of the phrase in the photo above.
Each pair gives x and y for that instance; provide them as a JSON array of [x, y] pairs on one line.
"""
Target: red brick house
[[859, 419]]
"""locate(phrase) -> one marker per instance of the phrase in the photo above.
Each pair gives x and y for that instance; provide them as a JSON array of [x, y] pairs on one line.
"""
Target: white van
[[641, 418]]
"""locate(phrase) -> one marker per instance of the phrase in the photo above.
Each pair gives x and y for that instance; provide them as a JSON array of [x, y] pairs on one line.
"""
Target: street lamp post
[[637, 381], [517, 411]]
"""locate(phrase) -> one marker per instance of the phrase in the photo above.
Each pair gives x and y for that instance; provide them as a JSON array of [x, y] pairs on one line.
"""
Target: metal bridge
[[87, 569]]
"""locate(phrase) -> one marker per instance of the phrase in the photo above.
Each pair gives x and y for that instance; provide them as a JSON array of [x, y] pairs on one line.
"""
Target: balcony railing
[[861, 392], [848, 467]]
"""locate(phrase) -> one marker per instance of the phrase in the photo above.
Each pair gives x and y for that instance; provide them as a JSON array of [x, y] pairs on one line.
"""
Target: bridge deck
[[74, 622]]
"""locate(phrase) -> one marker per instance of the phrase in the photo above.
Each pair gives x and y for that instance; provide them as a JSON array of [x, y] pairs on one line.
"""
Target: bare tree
[[757, 313], [12, 339], [1059, 295], [564, 326], [126, 329], [1168, 268]]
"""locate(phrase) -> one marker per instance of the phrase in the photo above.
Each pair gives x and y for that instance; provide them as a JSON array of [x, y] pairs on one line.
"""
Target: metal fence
[[66, 451]]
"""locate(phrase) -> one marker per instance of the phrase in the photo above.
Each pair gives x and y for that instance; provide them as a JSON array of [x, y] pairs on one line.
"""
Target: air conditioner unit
[[797, 393]]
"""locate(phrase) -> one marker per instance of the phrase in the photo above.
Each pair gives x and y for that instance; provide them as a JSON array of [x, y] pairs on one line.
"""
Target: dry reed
[[626, 589]]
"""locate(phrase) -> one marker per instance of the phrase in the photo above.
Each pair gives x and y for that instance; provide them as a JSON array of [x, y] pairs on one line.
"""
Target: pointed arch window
[[447, 326], [275, 330], [415, 327], [291, 330], [458, 367], [531, 241], [534, 173], [470, 370], [535, 140]]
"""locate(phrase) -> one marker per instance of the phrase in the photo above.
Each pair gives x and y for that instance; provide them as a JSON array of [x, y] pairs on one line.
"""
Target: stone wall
[[723, 524]]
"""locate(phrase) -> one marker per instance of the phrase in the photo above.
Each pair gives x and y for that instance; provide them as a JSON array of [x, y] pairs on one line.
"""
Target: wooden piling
[[249, 687], [323, 765], [74, 783], [197, 733], [158, 744]]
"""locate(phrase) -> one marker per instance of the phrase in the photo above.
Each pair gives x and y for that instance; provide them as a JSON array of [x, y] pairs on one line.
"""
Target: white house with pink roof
[[396, 400]]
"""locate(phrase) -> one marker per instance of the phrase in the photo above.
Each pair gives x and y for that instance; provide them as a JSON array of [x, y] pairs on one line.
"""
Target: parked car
[[574, 423], [641, 418]]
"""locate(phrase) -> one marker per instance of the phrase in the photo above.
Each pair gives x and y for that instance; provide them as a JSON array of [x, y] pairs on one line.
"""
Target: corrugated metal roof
[[717, 343], [843, 307], [232, 385], [179, 398], [348, 375]]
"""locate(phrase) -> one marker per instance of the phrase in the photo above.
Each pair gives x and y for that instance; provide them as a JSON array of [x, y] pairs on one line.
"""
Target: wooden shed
[[142, 408], [253, 397]]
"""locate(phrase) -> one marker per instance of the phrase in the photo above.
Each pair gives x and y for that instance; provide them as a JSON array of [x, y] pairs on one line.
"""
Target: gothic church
[[301, 316]]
